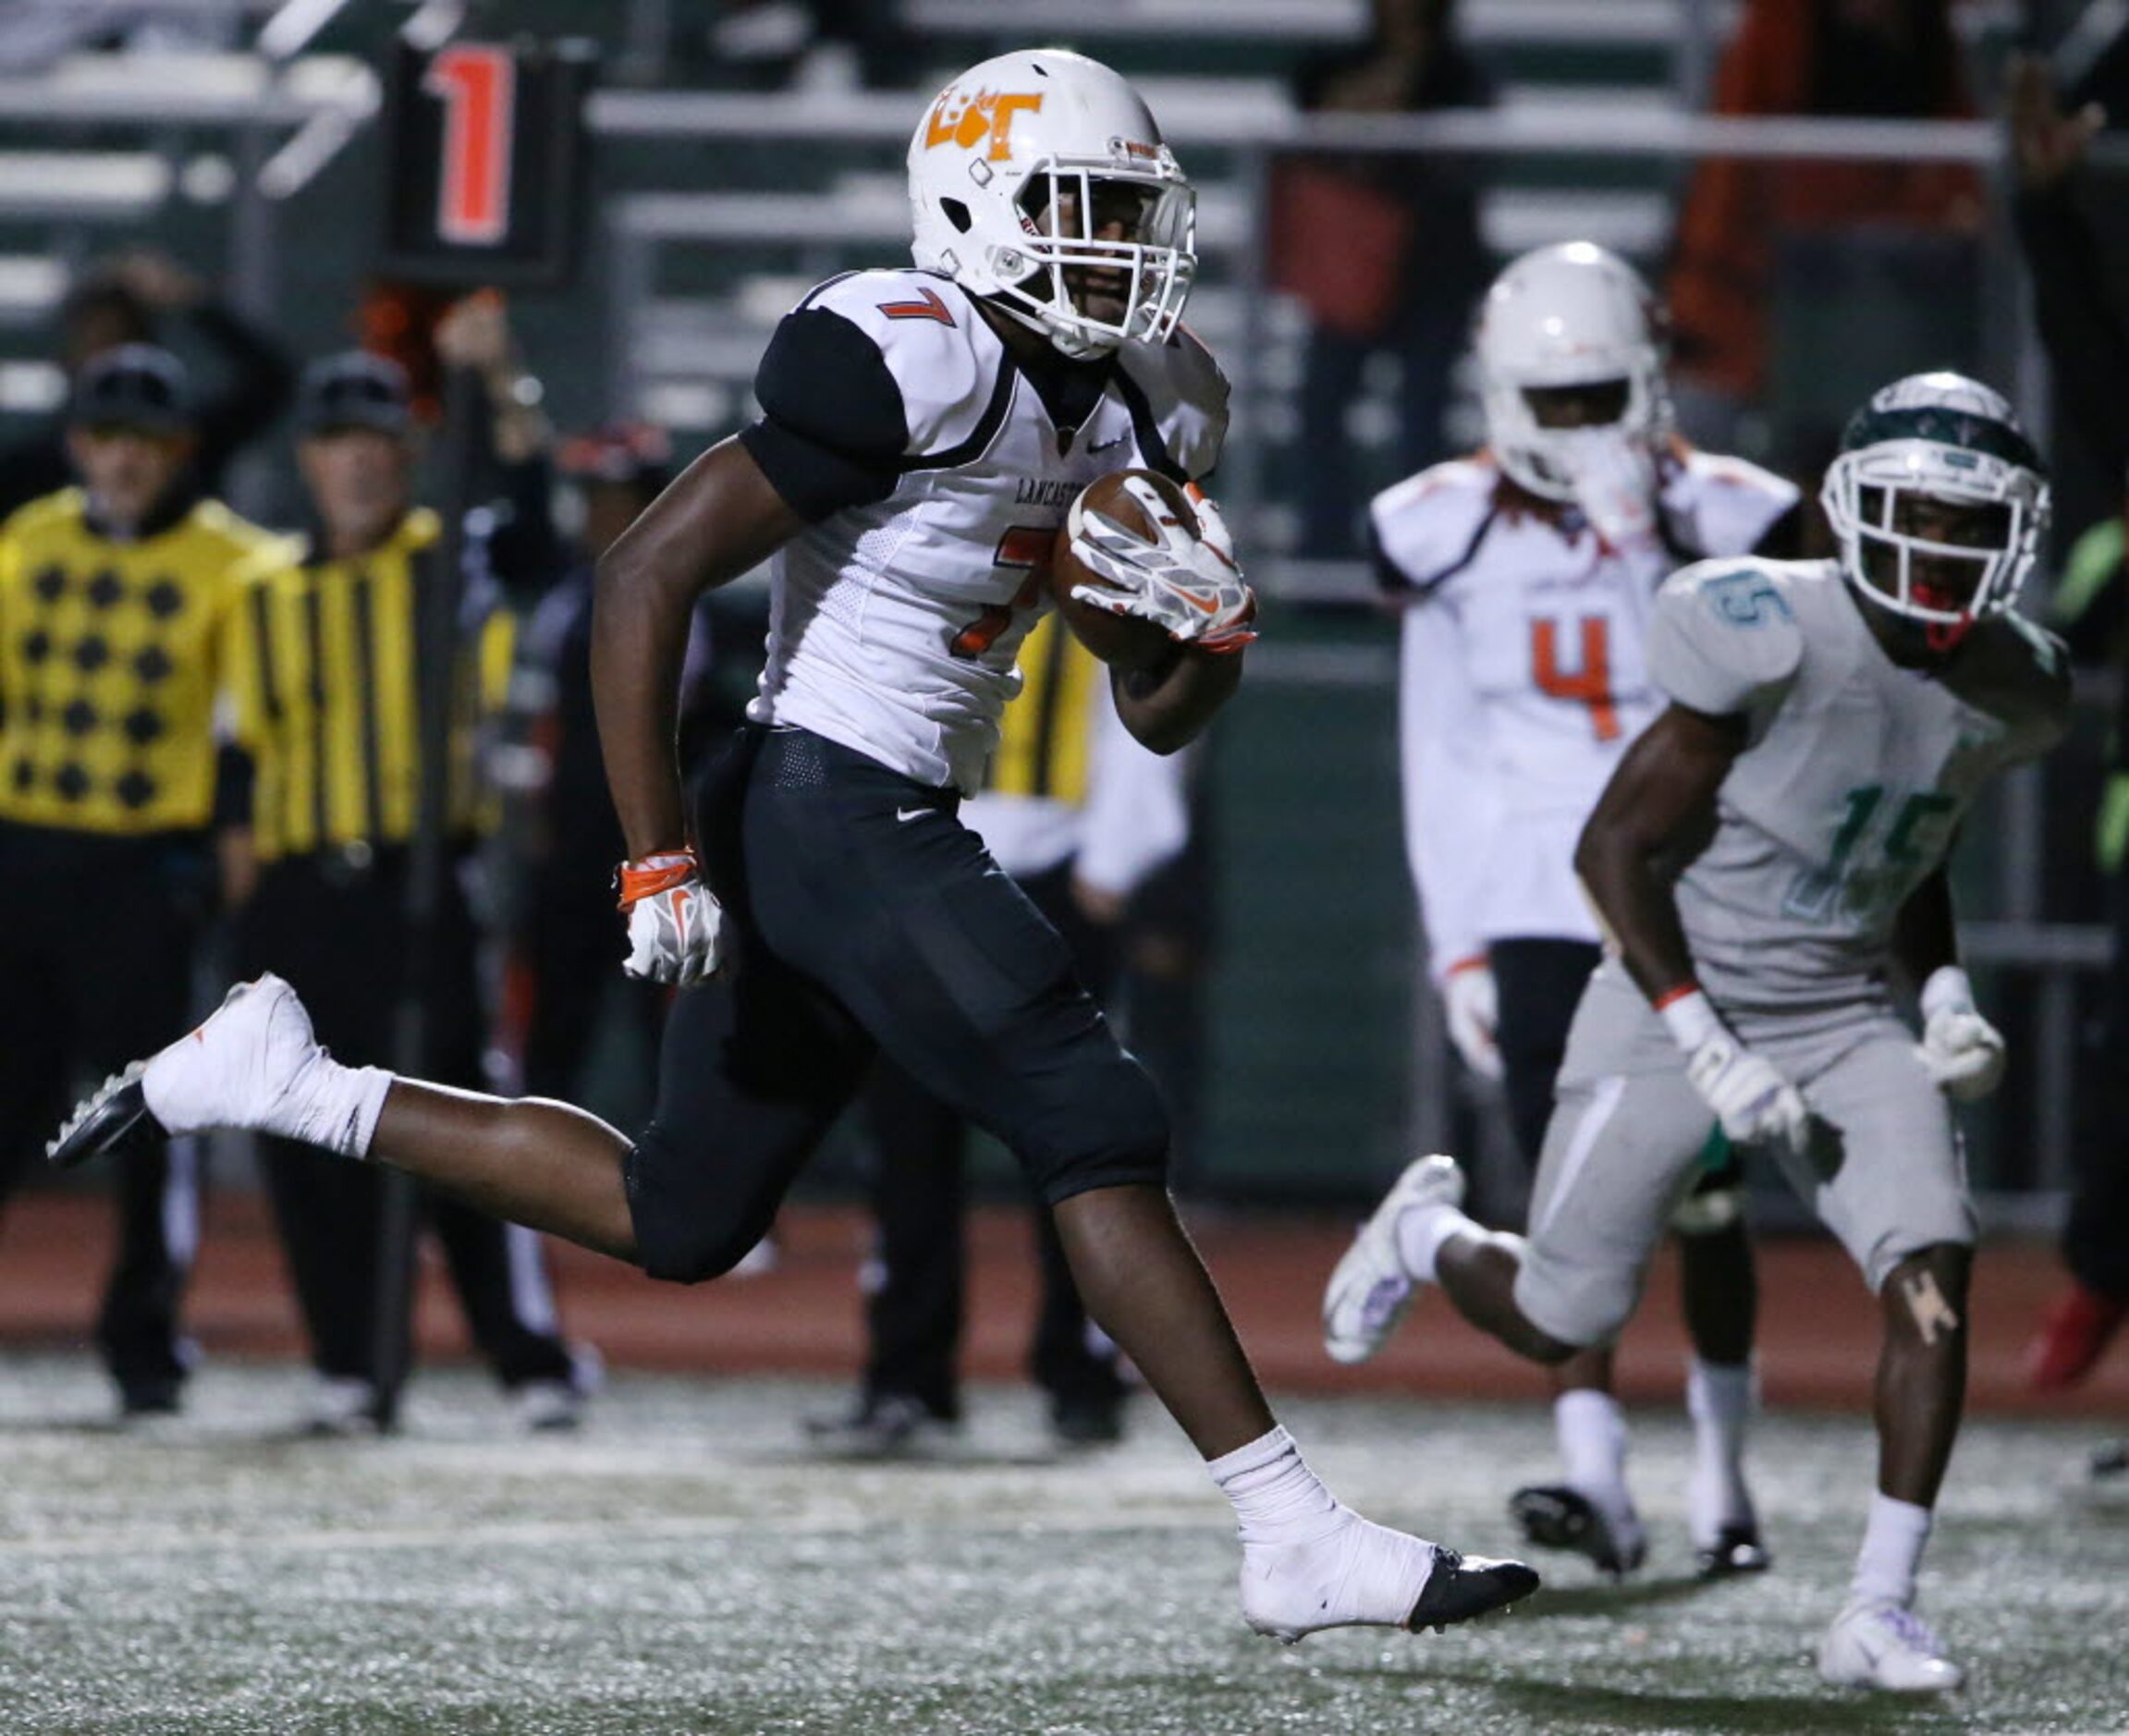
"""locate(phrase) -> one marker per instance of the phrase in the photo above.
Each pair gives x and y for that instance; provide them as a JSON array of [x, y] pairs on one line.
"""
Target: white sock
[[1591, 1430], [1421, 1230], [331, 1106], [1720, 1397], [1309, 1563], [1891, 1552], [1276, 1497]]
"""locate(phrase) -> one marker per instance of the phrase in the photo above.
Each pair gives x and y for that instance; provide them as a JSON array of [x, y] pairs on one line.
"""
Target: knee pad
[[1113, 1132]]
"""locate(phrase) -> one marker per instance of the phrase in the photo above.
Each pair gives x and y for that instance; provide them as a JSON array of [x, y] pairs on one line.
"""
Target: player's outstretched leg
[[1878, 1641], [254, 1063], [1420, 1235], [1309, 1563], [1396, 1251]]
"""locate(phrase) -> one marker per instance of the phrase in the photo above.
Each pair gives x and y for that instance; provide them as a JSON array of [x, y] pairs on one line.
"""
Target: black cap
[[356, 388], [135, 385]]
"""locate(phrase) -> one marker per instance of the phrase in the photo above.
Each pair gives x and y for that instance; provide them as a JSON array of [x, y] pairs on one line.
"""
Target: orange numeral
[[1589, 684], [1023, 546], [478, 88]]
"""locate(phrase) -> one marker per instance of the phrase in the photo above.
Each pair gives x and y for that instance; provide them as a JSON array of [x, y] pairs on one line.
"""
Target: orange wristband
[[654, 874]]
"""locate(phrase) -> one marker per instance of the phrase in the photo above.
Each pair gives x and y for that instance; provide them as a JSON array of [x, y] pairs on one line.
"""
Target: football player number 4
[[477, 86], [1024, 549], [1588, 682]]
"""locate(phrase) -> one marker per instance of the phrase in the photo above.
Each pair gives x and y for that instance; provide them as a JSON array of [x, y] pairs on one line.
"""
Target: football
[[1122, 641]]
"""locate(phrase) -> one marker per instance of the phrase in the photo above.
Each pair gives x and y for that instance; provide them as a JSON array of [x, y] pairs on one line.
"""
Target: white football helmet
[[1572, 314], [1006, 171], [1945, 438]]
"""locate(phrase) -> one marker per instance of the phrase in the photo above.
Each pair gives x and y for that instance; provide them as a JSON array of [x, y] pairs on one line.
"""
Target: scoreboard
[[485, 162]]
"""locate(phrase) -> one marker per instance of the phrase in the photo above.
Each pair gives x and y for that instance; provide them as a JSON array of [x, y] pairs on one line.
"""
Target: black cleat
[[1462, 1586], [150, 1397], [885, 1425], [113, 1118], [1556, 1517], [2111, 1461], [1087, 1420], [1736, 1549]]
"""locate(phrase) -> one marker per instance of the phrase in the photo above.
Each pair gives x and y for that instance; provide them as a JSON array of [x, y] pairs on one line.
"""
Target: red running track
[[1817, 1325]]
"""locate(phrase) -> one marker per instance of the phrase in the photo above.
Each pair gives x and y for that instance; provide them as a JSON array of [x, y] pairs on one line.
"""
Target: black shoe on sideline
[[883, 1425], [1087, 1420]]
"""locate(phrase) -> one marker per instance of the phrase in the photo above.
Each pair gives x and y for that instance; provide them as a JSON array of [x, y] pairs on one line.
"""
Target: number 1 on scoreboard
[[477, 86]]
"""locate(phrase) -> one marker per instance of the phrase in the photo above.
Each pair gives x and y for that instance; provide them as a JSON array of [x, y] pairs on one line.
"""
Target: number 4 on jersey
[[1589, 683]]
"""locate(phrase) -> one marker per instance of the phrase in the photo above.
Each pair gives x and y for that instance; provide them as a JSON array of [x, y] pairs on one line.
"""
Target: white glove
[[1755, 1105], [675, 922], [1192, 586], [1614, 481], [1963, 1051], [1473, 1008]]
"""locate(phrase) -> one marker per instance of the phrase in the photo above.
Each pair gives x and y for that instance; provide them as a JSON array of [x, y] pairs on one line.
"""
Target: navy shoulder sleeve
[[832, 430]]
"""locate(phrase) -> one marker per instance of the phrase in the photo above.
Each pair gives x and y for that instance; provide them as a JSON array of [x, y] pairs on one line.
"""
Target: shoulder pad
[[944, 356], [1426, 526], [1723, 634], [1728, 502], [1185, 398]]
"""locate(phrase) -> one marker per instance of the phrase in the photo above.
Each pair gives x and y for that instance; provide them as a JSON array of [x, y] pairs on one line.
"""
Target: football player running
[[1768, 855], [1527, 575], [922, 436]]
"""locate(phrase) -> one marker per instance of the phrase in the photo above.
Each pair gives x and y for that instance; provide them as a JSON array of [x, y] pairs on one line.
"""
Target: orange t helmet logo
[[965, 120]]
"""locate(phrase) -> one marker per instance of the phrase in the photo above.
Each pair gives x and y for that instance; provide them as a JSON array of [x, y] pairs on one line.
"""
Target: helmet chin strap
[[1072, 345]]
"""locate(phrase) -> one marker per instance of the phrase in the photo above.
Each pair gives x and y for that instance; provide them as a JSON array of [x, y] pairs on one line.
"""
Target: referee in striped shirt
[[327, 711]]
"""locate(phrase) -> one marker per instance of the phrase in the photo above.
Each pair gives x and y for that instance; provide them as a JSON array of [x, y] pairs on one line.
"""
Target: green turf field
[[683, 1567]]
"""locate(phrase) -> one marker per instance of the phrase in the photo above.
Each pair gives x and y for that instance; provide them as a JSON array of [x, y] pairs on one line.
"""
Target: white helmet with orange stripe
[[1039, 180]]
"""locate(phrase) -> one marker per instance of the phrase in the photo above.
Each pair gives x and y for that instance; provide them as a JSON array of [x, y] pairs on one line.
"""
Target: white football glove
[[1614, 481], [1755, 1105], [1192, 586], [1963, 1051], [1473, 1008], [675, 922]]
